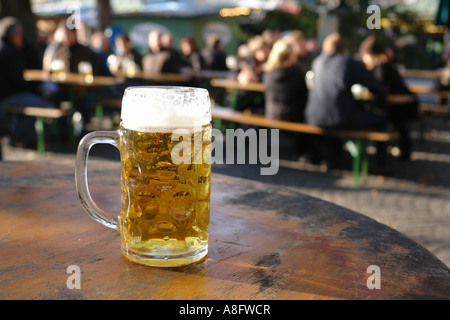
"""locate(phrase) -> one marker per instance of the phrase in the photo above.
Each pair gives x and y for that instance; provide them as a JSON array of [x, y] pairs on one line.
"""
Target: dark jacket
[[13, 62], [388, 75], [285, 94], [194, 61], [73, 55], [80, 53], [331, 103], [165, 61], [214, 59]]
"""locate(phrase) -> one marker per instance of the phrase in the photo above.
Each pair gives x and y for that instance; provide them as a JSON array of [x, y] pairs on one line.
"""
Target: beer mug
[[85, 69], [164, 141]]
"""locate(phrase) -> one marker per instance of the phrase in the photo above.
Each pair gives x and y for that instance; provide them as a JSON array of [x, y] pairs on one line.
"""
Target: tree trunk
[[103, 14]]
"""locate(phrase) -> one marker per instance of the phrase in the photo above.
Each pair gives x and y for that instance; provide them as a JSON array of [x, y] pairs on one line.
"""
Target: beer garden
[[304, 231]]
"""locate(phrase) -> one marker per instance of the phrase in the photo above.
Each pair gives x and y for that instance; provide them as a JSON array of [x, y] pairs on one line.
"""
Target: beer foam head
[[165, 107]]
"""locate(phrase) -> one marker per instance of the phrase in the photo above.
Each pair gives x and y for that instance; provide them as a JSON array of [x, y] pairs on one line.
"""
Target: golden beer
[[165, 149], [165, 206]]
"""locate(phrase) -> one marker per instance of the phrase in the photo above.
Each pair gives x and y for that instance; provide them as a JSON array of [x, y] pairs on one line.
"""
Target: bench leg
[[56, 134], [364, 161], [99, 113], [358, 151], [39, 126], [422, 130]]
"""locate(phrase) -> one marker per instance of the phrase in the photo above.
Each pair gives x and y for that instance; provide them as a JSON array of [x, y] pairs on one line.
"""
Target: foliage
[[306, 21]]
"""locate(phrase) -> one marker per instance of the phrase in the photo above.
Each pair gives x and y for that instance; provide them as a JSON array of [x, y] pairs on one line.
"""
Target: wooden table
[[426, 74], [232, 84], [73, 79], [156, 77], [266, 242], [77, 84]]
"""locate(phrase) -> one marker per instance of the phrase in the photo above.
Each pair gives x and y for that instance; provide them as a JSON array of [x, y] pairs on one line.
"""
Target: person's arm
[[360, 75]]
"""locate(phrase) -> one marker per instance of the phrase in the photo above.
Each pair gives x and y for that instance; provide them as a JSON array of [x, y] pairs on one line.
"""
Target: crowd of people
[[68, 48], [279, 60]]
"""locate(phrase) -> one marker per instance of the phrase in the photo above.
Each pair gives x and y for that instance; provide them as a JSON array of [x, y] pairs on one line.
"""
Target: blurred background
[[408, 26]]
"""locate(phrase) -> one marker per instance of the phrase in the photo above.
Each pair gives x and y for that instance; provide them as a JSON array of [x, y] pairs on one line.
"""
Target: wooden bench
[[100, 106], [357, 139], [231, 84], [41, 113], [431, 108], [425, 74]]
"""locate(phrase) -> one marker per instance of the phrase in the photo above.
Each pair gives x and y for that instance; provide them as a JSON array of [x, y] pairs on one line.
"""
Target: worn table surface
[[266, 242]]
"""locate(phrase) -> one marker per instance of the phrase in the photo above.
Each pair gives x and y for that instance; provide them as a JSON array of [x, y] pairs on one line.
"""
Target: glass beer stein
[[164, 141]]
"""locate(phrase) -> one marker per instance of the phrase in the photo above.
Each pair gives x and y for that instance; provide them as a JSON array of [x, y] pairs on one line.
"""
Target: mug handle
[[96, 213]]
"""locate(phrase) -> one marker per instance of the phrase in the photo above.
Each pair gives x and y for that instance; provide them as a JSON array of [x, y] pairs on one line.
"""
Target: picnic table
[[266, 242], [232, 84], [67, 78], [163, 78]]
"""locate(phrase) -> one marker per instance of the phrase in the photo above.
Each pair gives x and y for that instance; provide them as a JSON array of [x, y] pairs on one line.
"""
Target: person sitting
[[70, 53], [286, 92], [284, 80], [260, 52], [191, 57], [298, 41], [160, 59], [101, 46], [127, 58], [213, 54], [331, 104], [374, 56], [15, 57], [67, 49]]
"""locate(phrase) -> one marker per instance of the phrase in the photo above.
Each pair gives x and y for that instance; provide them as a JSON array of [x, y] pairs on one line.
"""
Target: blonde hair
[[256, 43], [281, 56], [294, 36]]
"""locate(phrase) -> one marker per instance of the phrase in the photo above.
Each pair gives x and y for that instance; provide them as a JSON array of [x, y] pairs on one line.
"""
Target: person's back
[[286, 92], [331, 103]]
